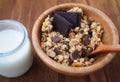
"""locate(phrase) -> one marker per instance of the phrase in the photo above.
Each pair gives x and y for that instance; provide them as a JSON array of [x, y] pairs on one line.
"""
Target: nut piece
[[51, 54], [76, 9], [47, 24], [87, 63], [48, 44], [71, 35], [78, 64], [92, 60], [74, 42], [60, 58]]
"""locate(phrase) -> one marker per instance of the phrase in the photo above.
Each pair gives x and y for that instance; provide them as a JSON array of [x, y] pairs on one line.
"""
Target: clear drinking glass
[[15, 49]]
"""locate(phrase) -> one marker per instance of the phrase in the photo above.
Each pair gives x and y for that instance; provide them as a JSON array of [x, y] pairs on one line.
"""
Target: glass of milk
[[15, 49]]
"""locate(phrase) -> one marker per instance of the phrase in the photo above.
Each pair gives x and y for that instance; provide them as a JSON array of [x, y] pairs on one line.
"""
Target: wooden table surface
[[27, 11]]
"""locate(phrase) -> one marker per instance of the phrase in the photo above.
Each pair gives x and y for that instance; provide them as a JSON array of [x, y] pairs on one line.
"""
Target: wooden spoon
[[105, 48]]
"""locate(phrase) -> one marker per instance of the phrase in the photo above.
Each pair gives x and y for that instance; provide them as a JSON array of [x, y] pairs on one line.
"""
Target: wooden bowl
[[110, 37]]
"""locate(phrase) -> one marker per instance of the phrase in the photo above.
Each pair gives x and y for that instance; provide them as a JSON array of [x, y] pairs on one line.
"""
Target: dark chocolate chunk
[[67, 50], [61, 25], [85, 51], [73, 17], [57, 52], [66, 43], [89, 22], [81, 31], [75, 55], [86, 40], [88, 50], [56, 39], [91, 56], [90, 33], [70, 61]]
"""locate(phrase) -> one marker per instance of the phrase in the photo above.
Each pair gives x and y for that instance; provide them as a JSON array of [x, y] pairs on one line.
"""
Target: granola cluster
[[71, 50]]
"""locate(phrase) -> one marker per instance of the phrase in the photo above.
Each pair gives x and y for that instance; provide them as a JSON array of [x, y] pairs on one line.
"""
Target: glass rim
[[21, 43]]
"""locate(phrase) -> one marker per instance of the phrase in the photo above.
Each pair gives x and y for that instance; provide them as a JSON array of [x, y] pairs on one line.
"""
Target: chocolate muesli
[[67, 36]]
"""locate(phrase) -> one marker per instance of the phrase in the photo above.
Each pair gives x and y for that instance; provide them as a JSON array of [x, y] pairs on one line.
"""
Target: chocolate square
[[73, 17], [61, 25]]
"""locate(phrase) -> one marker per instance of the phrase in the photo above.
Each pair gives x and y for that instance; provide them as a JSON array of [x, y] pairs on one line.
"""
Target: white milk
[[10, 39], [17, 62]]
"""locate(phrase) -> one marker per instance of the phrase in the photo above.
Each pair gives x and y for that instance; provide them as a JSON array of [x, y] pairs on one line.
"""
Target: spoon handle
[[110, 48]]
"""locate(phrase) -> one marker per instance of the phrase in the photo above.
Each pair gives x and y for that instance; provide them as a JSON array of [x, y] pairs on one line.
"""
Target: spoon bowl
[[105, 48]]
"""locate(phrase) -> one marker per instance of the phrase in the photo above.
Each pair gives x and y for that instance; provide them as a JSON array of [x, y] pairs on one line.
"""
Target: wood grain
[[27, 11], [111, 8]]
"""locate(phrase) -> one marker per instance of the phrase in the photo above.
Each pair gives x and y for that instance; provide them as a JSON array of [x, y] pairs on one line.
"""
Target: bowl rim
[[74, 71]]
